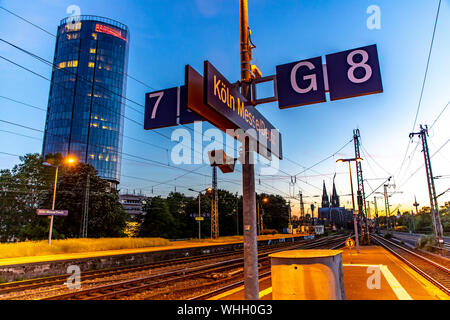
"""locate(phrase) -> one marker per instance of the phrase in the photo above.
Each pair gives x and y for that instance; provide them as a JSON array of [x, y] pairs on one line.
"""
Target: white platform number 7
[[159, 95]]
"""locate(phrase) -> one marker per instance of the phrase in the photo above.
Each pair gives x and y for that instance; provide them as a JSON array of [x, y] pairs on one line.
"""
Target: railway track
[[6, 288], [265, 272], [184, 280], [435, 272]]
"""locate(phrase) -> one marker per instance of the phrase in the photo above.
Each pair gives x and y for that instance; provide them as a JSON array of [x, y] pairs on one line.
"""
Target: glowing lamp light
[[71, 160]]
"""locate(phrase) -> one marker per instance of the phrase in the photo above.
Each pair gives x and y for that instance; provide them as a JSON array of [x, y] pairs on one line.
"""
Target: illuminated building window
[[94, 35], [72, 64], [62, 65], [92, 156], [91, 65], [93, 50], [95, 125], [73, 36], [104, 127], [96, 117], [73, 26]]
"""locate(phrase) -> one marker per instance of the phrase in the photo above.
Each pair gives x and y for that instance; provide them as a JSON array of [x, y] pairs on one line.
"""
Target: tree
[[29, 186], [158, 221], [178, 204], [276, 212], [22, 190], [227, 213]]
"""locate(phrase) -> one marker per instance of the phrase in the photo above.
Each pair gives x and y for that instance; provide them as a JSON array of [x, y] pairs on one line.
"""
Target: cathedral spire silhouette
[[325, 199]]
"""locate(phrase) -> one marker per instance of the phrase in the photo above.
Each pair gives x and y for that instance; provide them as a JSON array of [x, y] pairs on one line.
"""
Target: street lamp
[[199, 209], [68, 160], [353, 196], [265, 200]]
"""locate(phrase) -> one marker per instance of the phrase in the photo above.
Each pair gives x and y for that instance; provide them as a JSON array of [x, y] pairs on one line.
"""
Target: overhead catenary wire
[[423, 86], [53, 35], [121, 152], [145, 84], [135, 79]]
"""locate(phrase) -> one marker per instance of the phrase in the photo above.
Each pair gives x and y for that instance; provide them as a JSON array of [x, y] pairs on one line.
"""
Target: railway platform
[[397, 281], [22, 268], [174, 245]]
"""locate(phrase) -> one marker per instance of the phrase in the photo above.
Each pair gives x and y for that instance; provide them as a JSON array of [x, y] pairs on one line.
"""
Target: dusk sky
[[167, 35]]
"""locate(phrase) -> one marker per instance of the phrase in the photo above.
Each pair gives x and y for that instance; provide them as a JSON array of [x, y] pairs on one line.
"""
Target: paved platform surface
[[174, 245], [398, 281]]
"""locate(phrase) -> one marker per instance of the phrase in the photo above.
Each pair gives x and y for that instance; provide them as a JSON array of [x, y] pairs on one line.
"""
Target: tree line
[[29, 186]]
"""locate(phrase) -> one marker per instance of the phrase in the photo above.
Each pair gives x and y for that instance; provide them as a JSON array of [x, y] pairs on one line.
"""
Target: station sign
[[47, 212], [354, 73], [221, 103], [167, 108], [346, 74], [300, 83], [203, 215]]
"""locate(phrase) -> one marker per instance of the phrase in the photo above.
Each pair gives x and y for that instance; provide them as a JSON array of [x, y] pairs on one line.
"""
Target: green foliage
[[275, 212], [428, 243], [158, 220], [29, 186]]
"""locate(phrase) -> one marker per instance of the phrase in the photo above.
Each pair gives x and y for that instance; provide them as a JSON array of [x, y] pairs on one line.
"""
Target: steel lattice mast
[[437, 226], [361, 194], [214, 206]]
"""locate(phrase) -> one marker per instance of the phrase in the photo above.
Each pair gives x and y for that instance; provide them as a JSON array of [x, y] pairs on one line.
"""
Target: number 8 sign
[[354, 73]]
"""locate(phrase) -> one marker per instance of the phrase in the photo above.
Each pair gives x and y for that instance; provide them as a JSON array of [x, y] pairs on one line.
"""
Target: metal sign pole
[[199, 215], [53, 208], [251, 291]]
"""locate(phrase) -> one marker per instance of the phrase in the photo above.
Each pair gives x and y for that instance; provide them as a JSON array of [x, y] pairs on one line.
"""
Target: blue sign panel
[[300, 83], [186, 116], [161, 109], [354, 73]]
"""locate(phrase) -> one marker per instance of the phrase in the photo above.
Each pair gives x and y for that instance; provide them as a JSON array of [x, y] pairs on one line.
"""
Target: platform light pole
[[68, 160], [353, 196]]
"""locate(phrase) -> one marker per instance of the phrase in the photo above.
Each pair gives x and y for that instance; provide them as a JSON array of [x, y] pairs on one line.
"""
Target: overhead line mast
[[361, 195], [437, 226]]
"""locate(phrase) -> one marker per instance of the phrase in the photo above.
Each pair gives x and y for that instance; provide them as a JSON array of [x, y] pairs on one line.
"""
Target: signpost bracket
[[255, 101]]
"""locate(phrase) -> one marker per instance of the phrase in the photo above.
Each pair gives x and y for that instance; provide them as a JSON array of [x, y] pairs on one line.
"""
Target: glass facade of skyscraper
[[87, 95]]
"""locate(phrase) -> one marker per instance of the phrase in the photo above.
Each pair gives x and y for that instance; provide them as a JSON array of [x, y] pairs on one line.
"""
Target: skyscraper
[[87, 93]]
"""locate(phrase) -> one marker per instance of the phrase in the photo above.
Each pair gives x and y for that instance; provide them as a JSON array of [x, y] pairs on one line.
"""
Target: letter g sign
[[311, 77], [300, 83]]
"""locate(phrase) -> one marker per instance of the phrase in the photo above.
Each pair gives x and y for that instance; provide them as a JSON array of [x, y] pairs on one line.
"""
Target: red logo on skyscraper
[[109, 30]]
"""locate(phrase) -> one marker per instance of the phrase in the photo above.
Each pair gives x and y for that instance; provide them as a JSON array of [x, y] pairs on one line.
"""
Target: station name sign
[[228, 101], [215, 99], [47, 212]]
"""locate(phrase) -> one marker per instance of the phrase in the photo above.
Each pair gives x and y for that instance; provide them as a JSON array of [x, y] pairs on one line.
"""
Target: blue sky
[[166, 35]]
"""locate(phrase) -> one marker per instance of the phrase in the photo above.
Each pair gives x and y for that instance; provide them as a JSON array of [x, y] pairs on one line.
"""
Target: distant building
[[86, 104], [133, 204], [331, 213]]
